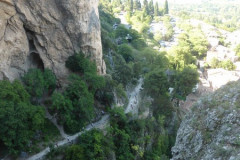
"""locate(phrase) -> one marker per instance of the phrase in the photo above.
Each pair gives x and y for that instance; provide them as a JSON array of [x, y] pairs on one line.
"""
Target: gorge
[[117, 80]]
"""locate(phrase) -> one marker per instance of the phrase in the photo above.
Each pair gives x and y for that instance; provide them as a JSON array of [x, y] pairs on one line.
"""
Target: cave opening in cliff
[[36, 61]]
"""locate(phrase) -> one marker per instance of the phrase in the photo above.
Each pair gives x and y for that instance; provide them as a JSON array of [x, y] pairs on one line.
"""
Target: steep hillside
[[43, 34], [211, 130]]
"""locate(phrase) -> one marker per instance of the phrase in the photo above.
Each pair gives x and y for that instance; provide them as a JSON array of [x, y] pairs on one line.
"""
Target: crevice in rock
[[36, 61], [34, 57]]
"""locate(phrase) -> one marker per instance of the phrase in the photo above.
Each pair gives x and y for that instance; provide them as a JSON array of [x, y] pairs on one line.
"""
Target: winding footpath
[[101, 124]]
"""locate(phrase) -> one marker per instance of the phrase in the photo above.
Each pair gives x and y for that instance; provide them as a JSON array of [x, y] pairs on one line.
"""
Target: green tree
[[199, 43], [75, 152], [145, 7], [38, 82], [186, 81], [126, 51], [135, 5], [139, 4], [156, 83], [80, 64], [131, 5], [105, 95], [76, 103], [116, 3], [82, 100], [19, 119], [62, 106], [228, 64], [94, 82], [215, 63], [121, 138], [151, 7], [123, 74], [180, 56], [166, 9], [156, 9], [96, 146]]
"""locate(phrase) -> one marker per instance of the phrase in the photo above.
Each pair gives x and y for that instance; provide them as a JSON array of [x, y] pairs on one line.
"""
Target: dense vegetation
[[85, 94], [23, 122], [128, 136], [224, 14]]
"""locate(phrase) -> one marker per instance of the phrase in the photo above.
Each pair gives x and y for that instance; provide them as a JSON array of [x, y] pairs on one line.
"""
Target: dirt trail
[[101, 124]]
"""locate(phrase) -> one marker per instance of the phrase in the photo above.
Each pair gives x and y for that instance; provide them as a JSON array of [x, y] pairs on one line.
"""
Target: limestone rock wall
[[211, 130], [44, 34]]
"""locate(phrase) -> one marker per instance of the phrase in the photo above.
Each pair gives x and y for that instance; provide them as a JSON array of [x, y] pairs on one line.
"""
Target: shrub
[[38, 82], [158, 36], [126, 51], [139, 44], [105, 94], [76, 103], [123, 74], [121, 31], [227, 64], [80, 64], [75, 152]]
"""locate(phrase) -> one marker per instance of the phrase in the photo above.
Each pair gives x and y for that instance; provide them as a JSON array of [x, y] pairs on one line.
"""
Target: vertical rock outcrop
[[211, 130], [44, 34]]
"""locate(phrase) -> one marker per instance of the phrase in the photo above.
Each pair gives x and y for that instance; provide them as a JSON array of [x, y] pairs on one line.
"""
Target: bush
[[123, 74], [38, 82], [139, 44], [186, 81], [228, 65], [214, 63], [126, 51], [94, 82], [75, 152], [158, 36], [105, 94], [156, 83], [121, 31], [95, 145], [80, 64], [76, 103]]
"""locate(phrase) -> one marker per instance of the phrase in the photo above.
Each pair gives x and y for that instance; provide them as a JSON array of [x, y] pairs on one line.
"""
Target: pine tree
[[151, 7], [166, 10], [139, 4], [145, 7], [156, 9], [135, 4], [131, 5]]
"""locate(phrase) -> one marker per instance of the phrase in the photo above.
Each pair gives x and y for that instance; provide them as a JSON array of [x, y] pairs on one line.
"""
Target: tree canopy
[[19, 119]]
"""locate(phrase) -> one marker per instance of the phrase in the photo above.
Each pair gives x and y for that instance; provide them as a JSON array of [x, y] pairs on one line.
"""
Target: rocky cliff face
[[44, 34], [211, 130]]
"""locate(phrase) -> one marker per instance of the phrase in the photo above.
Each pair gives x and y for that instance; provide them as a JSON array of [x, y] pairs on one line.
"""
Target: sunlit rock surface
[[44, 34], [211, 129]]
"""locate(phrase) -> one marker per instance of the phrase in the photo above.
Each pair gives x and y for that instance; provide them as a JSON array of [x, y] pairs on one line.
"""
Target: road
[[68, 140]]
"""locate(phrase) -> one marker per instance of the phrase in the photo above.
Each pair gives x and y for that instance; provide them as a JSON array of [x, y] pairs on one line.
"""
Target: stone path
[[101, 124]]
